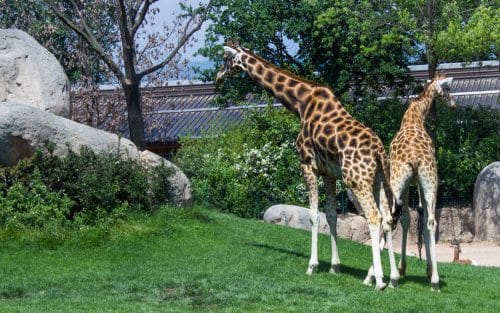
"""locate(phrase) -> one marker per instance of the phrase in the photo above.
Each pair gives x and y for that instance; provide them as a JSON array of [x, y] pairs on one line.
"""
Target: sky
[[169, 8]]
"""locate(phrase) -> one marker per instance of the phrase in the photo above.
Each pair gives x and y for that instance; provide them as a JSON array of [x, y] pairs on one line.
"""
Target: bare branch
[[87, 36], [186, 35], [142, 14]]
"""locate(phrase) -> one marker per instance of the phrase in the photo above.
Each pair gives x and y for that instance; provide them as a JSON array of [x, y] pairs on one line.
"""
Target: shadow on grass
[[349, 270]]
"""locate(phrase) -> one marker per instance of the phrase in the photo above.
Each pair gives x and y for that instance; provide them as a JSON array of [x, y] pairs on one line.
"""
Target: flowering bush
[[246, 168]]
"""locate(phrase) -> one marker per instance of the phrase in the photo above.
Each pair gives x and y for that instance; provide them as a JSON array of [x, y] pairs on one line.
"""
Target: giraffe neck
[[283, 85], [419, 107]]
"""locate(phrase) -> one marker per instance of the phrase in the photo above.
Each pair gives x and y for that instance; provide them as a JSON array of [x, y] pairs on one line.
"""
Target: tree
[[453, 31], [35, 18], [333, 42], [268, 27], [360, 43], [132, 62]]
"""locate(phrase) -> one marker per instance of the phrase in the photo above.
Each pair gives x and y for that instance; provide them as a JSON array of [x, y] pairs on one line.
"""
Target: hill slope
[[191, 261]]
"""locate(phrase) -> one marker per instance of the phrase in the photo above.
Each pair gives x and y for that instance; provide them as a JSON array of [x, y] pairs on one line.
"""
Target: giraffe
[[412, 160], [332, 144]]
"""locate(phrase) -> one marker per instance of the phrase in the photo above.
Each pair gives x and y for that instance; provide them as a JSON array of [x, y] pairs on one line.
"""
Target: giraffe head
[[443, 85], [232, 62]]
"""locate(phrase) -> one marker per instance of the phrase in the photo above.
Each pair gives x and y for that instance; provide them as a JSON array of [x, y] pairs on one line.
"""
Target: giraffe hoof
[[393, 283], [335, 269], [310, 269], [435, 287], [402, 271], [380, 287]]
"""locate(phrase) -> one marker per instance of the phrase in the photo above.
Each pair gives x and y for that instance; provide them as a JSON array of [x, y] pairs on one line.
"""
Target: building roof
[[188, 110]]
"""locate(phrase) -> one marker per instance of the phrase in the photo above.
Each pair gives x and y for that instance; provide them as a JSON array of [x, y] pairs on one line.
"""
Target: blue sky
[[170, 7]]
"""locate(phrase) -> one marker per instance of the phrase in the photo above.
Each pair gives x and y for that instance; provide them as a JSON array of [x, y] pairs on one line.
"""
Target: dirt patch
[[483, 253]]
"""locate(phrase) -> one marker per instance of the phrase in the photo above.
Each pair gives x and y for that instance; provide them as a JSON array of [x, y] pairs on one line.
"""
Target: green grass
[[199, 261]]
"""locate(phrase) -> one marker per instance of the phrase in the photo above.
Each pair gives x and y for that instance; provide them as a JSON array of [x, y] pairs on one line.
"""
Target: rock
[[486, 203], [289, 215], [24, 129], [455, 223], [178, 180], [359, 229], [349, 226], [31, 75]]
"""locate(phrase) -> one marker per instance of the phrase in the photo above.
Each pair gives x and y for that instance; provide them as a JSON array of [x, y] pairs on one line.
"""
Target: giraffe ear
[[230, 51]]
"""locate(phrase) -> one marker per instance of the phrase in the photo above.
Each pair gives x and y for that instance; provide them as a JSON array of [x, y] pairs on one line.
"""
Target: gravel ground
[[483, 253]]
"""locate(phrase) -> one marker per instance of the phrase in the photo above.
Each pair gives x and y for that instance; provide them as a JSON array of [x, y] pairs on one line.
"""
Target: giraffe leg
[[369, 206], [312, 186], [385, 205], [405, 225], [401, 174], [428, 188], [331, 218]]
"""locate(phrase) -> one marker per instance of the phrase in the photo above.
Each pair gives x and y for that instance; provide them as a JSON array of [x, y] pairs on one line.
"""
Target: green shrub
[[85, 188], [33, 205], [245, 169]]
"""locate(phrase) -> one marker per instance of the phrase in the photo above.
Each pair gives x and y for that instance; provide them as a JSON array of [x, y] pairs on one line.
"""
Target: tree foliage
[[452, 31], [357, 46]]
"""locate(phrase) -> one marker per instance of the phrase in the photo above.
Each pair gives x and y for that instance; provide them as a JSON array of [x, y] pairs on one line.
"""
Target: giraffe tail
[[398, 203]]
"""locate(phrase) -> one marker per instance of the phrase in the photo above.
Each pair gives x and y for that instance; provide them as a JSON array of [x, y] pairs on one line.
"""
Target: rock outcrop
[[454, 223], [34, 101], [350, 226], [24, 129], [31, 75], [486, 203]]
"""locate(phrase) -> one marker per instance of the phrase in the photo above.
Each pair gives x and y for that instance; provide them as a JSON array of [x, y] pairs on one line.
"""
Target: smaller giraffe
[[412, 160]]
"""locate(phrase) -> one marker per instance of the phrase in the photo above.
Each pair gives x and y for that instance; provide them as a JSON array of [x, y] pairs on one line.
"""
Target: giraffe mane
[[282, 70]]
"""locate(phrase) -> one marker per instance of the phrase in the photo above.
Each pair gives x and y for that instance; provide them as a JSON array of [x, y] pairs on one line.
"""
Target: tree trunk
[[135, 121]]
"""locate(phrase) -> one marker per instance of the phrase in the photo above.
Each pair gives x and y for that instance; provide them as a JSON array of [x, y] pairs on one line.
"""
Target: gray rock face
[[31, 75], [454, 223], [23, 129], [486, 203], [178, 180], [293, 216], [350, 226]]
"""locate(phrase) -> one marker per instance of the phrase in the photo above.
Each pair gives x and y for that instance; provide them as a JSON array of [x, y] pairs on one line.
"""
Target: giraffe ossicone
[[332, 144]]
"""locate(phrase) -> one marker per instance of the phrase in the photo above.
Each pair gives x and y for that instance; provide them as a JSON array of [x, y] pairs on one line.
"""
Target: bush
[[85, 188], [33, 205], [245, 169]]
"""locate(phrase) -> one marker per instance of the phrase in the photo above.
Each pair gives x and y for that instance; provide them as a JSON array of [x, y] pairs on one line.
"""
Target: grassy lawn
[[198, 261]]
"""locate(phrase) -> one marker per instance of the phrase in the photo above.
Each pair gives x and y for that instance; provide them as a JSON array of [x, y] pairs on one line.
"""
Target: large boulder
[[24, 129], [454, 223], [31, 75], [349, 226], [486, 203], [294, 216]]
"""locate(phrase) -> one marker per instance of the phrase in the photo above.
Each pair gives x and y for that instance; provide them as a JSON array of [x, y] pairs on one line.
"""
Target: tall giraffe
[[332, 144], [412, 160]]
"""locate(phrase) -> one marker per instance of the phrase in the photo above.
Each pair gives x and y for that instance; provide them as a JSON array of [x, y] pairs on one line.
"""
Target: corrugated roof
[[188, 110], [170, 126]]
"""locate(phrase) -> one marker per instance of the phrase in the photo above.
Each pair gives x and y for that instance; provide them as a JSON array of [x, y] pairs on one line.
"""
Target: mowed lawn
[[201, 261]]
